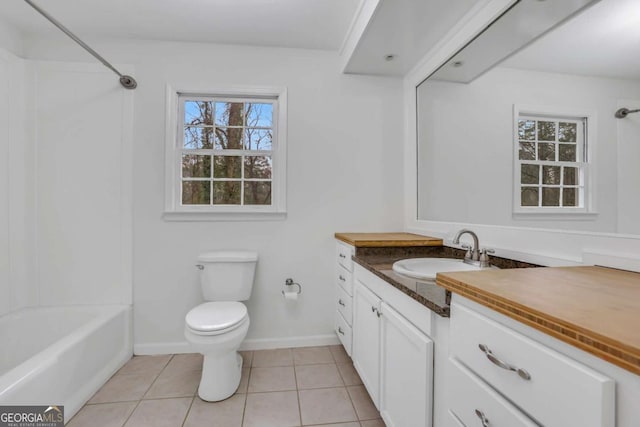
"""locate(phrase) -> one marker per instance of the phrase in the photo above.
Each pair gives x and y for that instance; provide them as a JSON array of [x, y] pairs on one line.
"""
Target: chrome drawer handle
[[483, 418], [376, 311], [342, 278], [340, 331], [504, 365], [342, 256], [341, 303]]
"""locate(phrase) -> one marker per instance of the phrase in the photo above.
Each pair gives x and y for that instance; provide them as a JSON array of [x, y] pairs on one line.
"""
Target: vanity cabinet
[[367, 339], [406, 365], [392, 355], [514, 380], [343, 284]]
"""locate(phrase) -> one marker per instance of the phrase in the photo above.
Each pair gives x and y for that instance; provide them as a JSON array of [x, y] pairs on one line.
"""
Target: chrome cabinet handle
[[340, 331], [200, 266], [341, 302], [504, 365], [342, 256], [483, 418], [341, 278], [376, 311]]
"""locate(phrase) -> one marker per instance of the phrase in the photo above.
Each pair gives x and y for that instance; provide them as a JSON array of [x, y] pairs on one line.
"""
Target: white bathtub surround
[[65, 199], [16, 188], [61, 355]]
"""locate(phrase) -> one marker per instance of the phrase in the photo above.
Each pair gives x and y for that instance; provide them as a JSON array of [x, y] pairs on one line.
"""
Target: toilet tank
[[227, 275]]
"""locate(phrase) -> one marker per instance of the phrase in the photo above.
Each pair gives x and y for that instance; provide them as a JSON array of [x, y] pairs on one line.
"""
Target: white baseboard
[[249, 344], [161, 348], [308, 341]]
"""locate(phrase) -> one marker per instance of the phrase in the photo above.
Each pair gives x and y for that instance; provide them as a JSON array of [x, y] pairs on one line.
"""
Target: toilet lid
[[215, 316]]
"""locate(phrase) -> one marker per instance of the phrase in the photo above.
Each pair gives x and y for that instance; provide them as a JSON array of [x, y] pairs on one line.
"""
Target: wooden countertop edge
[[602, 347], [389, 243]]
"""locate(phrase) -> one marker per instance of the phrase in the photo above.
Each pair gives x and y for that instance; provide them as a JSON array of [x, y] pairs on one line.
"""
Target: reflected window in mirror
[[551, 163]]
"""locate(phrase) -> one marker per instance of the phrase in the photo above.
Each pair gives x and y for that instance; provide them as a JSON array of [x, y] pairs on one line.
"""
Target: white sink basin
[[427, 268]]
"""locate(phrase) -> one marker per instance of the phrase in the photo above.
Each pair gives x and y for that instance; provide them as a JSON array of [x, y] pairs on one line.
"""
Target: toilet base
[[220, 376]]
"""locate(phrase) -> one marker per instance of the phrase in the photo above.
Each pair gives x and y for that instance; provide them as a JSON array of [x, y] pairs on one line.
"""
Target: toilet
[[217, 327]]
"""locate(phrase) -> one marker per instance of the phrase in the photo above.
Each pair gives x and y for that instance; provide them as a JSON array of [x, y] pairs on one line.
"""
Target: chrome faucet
[[474, 255]]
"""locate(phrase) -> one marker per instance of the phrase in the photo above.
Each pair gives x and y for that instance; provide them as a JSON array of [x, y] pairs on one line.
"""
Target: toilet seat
[[215, 318]]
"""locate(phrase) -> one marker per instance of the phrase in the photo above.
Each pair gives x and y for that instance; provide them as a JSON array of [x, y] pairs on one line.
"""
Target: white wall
[[344, 163], [10, 38], [466, 145], [17, 288], [628, 170]]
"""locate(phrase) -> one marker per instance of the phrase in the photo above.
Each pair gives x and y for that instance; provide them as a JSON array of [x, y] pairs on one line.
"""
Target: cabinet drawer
[[344, 304], [343, 255], [470, 399], [558, 392], [344, 278], [343, 330]]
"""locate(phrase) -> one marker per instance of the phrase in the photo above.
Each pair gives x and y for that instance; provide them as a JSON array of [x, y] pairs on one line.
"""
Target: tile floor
[[279, 388]]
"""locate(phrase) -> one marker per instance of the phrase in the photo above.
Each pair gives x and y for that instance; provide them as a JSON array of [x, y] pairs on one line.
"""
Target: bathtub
[[61, 355]]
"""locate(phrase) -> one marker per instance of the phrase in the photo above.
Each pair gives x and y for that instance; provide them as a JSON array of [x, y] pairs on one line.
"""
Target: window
[[227, 155], [551, 163]]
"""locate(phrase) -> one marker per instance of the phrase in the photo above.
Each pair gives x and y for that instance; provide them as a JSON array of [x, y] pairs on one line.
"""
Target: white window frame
[[588, 209], [174, 210]]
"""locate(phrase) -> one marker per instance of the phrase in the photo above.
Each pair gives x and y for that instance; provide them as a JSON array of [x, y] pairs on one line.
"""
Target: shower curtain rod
[[126, 81]]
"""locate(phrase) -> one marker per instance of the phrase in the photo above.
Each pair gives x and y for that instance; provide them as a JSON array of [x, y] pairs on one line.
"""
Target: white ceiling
[[313, 24], [408, 29], [604, 40]]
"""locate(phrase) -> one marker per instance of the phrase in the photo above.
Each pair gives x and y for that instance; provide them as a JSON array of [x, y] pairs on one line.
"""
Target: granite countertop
[[379, 261], [426, 293]]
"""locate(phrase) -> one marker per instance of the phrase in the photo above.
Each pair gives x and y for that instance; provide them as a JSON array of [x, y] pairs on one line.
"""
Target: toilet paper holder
[[289, 282]]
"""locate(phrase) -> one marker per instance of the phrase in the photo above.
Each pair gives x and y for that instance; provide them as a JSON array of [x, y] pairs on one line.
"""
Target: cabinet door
[[366, 339], [406, 374]]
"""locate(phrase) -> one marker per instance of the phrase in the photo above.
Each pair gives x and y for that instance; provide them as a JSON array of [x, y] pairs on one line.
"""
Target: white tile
[[226, 413], [326, 405], [365, 408], [312, 355], [276, 409], [339, 354], [174, 384], [272, 379], [349, 374], [244, 381], [104, 415], [124, 387], [184, 362], [269, 358], [318, 376], [160, 413], [145, 365]]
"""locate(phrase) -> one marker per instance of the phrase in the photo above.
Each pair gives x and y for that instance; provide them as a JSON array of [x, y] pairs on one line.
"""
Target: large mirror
[[535, 141]]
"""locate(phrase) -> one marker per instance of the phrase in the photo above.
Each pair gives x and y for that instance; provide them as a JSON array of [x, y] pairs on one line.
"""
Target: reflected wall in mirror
[[568, 163]]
